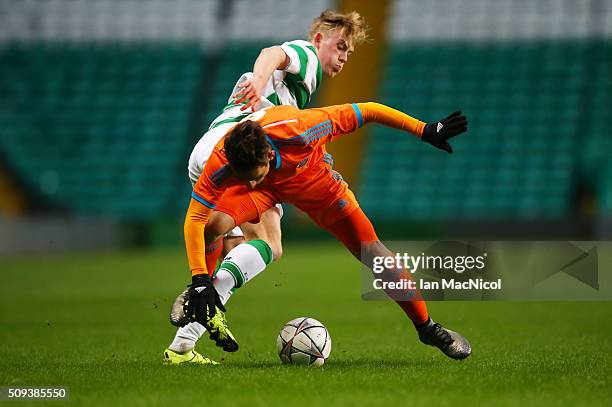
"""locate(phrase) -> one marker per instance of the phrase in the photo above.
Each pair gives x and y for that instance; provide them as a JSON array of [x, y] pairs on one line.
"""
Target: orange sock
[[356, 229], [213, 251], [415, 308], [416, 311]]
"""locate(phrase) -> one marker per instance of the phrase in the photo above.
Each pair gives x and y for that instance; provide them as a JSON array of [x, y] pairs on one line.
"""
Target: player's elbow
[[276, 54], [370, 111], [273, 50], [266, 50], [370, 106]]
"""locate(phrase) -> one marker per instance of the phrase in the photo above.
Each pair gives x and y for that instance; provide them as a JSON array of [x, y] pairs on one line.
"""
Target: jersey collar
[[277, 153]]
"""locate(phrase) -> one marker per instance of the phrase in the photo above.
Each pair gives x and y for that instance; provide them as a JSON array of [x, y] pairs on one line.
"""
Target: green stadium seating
[[99, 129], [103, 129], [596, 131], [527, 104]]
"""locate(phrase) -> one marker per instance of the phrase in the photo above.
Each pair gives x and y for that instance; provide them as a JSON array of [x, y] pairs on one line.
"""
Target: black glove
[[438, 133], [202, 299]]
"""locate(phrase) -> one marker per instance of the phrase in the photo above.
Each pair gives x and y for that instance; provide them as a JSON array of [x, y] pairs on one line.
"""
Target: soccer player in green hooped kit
[[288, 74]]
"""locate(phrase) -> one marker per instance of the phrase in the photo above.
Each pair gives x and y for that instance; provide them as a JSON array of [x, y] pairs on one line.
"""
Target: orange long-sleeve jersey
[[298, 138]]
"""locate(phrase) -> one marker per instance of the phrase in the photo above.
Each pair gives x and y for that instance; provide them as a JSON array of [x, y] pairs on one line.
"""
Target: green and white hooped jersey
[[293, 86]]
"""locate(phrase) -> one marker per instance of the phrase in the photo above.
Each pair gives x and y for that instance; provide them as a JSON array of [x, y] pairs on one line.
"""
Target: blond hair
[[352, 25]]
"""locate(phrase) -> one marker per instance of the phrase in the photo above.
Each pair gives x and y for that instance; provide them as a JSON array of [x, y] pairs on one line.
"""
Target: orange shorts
[[244, 204], [319, 191]]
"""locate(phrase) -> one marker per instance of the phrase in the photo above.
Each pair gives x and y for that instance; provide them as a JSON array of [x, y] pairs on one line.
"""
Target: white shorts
[[202, 150]]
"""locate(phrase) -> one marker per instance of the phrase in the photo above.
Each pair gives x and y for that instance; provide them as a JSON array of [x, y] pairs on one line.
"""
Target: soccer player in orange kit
[[287, 74], [277, 155]]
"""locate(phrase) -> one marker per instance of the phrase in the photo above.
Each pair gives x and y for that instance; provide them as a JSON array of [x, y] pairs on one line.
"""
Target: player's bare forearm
[[269, 60], [195, 222]]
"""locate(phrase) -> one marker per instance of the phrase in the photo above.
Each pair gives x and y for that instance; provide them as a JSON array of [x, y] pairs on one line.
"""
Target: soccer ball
[[304, 341]]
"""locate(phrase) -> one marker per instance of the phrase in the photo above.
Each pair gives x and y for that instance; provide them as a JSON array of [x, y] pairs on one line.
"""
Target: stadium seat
[[513, 162], [99, 129]]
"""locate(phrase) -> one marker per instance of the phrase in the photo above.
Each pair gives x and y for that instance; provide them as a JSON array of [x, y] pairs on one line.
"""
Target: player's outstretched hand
[[250, 92], [438, 133], [202, 298]]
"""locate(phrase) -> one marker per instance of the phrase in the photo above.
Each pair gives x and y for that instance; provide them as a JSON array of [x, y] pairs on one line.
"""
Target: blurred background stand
[[102, 101]]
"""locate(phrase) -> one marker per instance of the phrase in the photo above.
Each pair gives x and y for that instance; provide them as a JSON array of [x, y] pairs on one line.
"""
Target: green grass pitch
[[98, 323]]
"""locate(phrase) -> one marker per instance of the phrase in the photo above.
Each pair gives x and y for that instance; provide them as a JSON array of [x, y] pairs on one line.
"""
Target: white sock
[[240, 266], [186, 337]]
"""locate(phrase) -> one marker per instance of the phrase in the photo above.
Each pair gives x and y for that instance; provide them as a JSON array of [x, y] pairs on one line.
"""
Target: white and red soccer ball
[[304, 341]]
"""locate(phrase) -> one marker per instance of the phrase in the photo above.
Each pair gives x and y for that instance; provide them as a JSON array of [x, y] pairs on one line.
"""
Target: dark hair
[[246, 147]]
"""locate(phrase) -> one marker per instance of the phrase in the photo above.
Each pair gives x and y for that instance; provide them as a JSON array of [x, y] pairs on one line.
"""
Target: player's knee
[[218, 225], [212, 232]]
